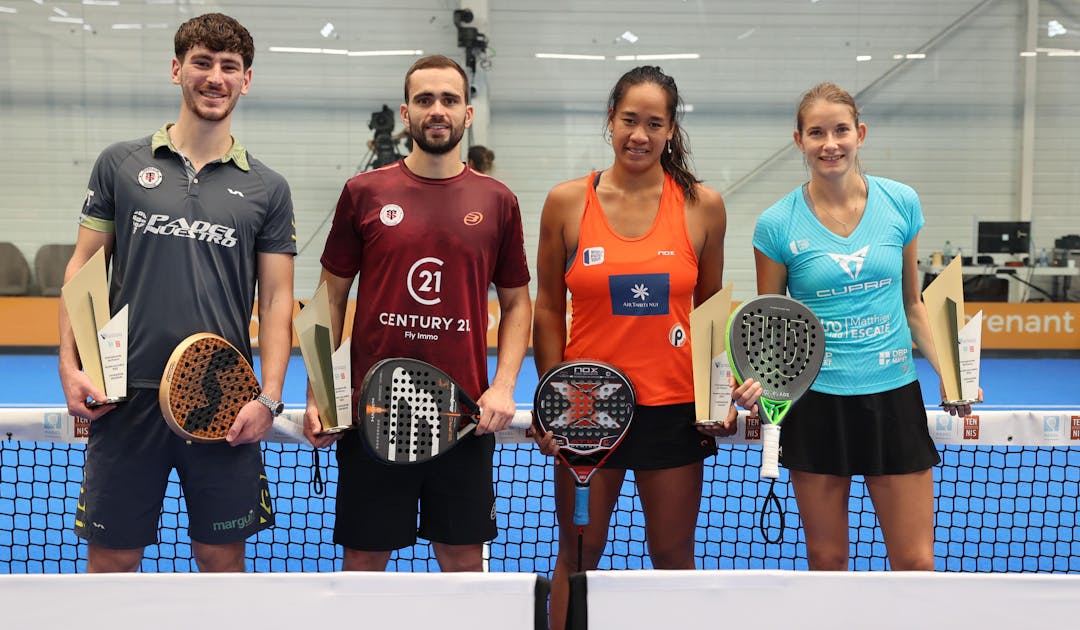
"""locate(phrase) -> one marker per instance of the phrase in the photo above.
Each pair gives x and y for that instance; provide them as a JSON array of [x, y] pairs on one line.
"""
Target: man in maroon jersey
[[426, 236]]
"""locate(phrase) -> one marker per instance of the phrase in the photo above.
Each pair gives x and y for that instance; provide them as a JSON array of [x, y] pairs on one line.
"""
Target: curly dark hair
[[219, 33]]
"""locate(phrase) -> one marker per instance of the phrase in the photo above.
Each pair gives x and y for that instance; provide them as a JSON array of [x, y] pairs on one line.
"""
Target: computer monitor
[[1003, 237]]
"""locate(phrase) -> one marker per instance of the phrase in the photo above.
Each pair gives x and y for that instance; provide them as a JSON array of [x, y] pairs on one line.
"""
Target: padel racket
[[587, 406], [410, 411], [206, 383], [777, 341]]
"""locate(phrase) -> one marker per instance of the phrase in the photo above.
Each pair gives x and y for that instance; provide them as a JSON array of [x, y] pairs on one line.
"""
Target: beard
[[205, 113], [441, 147]]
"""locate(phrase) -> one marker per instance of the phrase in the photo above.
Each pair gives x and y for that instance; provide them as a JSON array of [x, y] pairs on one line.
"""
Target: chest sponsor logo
[[164, 225], [150, 177], [592, 256], [677, 336], [473, 218], [391, 214], [640, 294], [425, 281], [852, 264], [235, 192]]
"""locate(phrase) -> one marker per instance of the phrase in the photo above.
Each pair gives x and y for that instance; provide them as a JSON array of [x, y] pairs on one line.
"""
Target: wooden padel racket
[[778, 342], [587, 406], [410, 411], [206, 383]]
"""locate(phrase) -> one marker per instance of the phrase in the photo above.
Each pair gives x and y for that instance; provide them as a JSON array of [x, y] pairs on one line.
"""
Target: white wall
[[950, 125]]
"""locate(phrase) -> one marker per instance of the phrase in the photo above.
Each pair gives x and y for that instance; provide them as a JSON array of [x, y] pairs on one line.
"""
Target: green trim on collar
[[238, 154]]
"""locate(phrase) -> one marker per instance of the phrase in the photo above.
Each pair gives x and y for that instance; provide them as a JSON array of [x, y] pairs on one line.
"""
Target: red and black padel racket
[[587, 406]]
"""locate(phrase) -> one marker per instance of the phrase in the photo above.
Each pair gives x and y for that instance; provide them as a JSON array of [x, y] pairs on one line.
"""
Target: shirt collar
[[237, 153]]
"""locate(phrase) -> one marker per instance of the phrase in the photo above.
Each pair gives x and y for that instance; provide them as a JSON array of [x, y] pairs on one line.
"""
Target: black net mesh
[[999, 509]]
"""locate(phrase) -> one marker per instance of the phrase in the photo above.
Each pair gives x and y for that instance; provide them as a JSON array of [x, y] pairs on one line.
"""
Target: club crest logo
[[150, 177], [391, 214]]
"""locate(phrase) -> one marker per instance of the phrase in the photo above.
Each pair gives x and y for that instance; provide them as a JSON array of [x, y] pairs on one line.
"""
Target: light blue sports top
[[853, 283]]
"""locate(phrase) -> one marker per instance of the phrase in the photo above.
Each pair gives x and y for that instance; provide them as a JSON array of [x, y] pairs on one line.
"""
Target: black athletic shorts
[[869, 434], [129, 457], [662, 437], [378, 503]]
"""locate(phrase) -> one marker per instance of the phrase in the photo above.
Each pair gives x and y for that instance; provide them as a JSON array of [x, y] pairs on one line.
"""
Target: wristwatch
[[275, 406]]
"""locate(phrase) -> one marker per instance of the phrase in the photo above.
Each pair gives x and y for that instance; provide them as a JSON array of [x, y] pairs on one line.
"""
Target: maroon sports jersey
[[426, 251]]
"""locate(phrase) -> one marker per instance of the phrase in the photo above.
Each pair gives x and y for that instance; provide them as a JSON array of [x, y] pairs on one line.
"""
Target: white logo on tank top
[[592, 256]]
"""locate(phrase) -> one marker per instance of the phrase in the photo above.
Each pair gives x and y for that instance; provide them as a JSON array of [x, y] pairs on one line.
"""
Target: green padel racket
[[778, 342]]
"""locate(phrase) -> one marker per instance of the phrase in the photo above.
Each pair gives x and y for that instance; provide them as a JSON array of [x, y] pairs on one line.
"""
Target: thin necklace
[[854, 216]]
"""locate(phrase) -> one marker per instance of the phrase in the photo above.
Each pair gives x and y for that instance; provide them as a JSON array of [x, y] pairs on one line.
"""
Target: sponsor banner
[[31, 321]]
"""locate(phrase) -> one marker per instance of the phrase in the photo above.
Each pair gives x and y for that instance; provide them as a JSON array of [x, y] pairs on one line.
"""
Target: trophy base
[[333, 430]]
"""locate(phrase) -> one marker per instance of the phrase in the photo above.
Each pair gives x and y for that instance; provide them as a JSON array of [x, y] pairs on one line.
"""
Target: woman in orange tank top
[[649, 224]]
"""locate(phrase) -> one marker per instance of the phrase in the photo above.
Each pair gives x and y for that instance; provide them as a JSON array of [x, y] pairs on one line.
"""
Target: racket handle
[[581, 506], [770, 450]]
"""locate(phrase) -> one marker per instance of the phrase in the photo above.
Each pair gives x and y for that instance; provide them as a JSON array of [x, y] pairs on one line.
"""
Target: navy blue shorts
[[378, 503], [659, 437], [869, 434], [129, 458]]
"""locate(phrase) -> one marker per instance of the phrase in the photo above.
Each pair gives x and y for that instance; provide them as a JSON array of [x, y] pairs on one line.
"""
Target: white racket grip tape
[[770, 450]]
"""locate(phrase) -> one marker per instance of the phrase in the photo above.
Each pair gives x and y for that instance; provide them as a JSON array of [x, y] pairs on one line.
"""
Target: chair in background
[[50, 261], [14, 271]]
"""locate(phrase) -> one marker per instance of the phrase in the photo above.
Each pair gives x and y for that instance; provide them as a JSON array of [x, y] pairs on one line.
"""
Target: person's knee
[[457, 558], [828, 558], [912, 560], [357, 560], [673, 555], [219, 558], [102, 560]]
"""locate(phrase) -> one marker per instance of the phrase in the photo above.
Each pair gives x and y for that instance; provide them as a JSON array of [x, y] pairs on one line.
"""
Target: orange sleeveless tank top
[[630, 298]]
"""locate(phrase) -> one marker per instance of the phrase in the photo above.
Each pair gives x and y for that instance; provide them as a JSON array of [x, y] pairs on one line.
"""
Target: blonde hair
[[829, 92]]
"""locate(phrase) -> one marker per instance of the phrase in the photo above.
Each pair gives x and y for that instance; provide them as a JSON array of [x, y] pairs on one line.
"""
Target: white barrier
[[787, 600], [1009, 427], [168, 601]]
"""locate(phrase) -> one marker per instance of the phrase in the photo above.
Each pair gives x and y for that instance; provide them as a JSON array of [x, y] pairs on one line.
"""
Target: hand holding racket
[[205, 385], [586, 407], [410, 411], [778, 342]]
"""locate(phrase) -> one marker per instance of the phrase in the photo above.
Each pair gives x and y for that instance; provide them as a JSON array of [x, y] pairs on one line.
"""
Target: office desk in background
[[1018, 277]]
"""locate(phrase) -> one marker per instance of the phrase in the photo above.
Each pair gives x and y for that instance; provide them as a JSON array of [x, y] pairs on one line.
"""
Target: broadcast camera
[[383, 145]]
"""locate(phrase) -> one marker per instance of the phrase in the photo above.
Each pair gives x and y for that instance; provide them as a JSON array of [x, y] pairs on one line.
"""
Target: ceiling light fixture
[[570, 56]]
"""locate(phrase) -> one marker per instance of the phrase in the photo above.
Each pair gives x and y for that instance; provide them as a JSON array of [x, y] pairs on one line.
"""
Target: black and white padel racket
[[587, 406], [778, 342], [410, 411]]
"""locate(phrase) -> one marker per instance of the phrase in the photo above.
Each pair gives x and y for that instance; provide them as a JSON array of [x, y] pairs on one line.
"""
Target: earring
[[669, 147]]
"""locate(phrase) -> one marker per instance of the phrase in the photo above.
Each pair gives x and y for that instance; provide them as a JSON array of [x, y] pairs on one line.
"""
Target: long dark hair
[[675, 162]]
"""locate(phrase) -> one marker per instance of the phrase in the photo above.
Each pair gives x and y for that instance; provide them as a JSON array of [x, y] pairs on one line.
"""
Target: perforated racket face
[[411, 411], [206, 383], [588, 407], [778, 342]]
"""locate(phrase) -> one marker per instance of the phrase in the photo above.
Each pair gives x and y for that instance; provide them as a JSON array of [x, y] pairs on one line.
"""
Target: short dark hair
[[481, 158], [436, 61], [219, 33]]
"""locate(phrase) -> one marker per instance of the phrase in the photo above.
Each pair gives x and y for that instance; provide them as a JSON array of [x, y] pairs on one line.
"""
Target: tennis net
[[1006, 493]]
